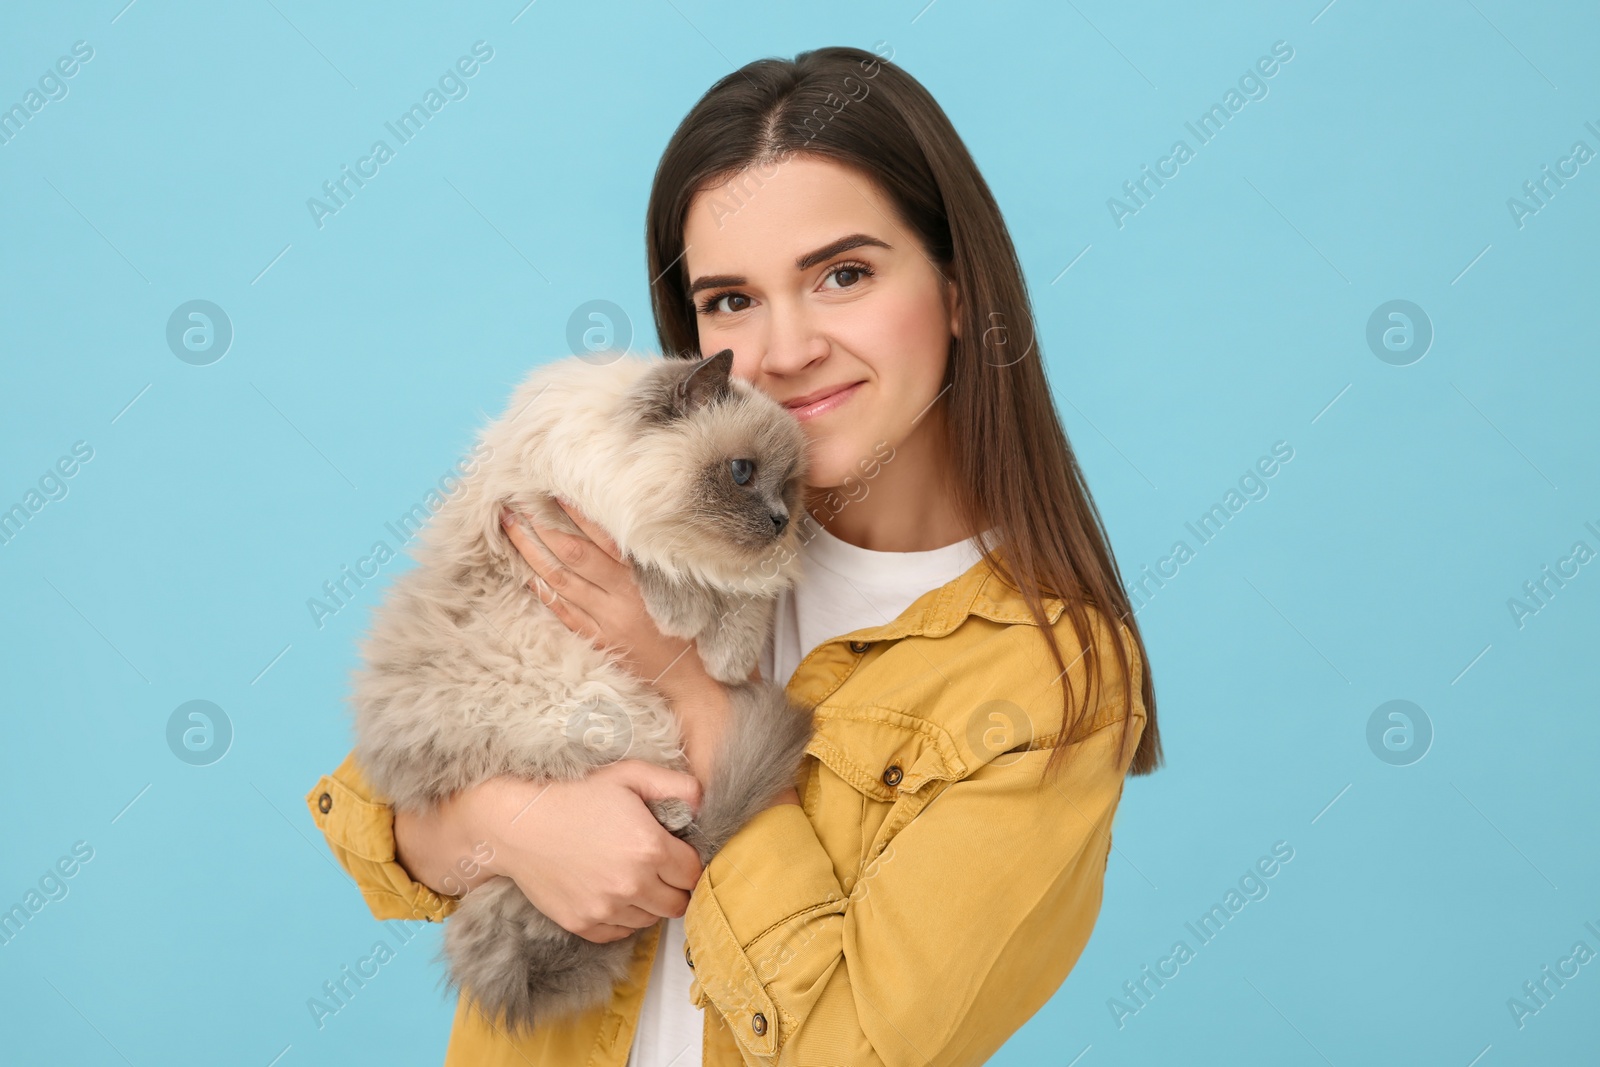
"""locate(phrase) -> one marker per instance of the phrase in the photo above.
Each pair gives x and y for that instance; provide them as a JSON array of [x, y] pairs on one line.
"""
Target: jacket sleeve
[[951, 938], [359, 826]]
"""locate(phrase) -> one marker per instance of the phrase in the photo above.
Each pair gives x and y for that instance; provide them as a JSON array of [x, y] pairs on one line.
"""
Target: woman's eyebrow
[[805, 262], [843, 244]]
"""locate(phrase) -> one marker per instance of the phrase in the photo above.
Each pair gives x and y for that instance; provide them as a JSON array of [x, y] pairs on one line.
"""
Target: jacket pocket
[[879, 767], [881, 752]]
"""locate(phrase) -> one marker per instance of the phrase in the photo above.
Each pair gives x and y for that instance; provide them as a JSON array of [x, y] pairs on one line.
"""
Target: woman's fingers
[[657, 902], [682, 868], [555, 585], [574, 566], [603, 933], [624, 922], [533, 548], [601, 539], [655, 782], [587, 852], [577, 553]]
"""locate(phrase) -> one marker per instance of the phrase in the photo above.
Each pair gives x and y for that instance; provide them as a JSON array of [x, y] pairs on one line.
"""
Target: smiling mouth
[[824, 404]]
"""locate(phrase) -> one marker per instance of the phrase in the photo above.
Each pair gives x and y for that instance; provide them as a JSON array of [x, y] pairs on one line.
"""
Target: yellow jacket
[[927, 898]]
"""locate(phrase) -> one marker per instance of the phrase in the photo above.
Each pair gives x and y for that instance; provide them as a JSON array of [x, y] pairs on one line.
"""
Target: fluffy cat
[[465, 674]]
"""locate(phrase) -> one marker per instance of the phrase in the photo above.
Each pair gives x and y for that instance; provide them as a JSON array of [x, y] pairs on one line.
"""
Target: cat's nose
[[779, 522]]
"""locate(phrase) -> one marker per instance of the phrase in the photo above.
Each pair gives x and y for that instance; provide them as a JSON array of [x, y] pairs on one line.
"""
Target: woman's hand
[[588, 853], [589, 586]]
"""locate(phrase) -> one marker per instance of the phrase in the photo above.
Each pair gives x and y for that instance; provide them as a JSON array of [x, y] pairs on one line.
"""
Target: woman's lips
[[826, 404]]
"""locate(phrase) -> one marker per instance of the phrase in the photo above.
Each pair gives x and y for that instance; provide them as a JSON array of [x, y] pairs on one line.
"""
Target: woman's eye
[[850, 275], [743, 470], [714, 305]]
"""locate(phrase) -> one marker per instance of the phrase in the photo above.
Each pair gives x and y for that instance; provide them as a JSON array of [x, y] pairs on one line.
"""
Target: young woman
[[980, 684]]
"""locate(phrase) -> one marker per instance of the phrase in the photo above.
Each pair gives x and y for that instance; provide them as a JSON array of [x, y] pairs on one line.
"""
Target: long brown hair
[[857, 109]]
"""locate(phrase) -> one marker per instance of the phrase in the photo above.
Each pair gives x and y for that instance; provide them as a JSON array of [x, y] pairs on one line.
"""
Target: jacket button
[[686, 957], [858, 646], [325, 803], [758, 1023], [892, 776]]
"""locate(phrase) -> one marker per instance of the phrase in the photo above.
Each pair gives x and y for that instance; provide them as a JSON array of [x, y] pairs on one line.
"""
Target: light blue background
[[1228, 314]]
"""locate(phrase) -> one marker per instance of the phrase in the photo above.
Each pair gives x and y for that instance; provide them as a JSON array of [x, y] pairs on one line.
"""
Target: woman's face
[[804, 269]]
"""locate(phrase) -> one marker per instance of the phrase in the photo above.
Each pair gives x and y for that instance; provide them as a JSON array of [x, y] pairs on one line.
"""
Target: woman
[[980, 684]]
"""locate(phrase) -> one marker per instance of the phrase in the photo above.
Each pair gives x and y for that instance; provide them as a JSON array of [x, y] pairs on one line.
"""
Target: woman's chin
[[841, 464], [830, 478]]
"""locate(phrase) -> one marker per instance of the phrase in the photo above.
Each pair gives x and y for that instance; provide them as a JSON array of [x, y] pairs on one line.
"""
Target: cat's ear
[[707, 382]]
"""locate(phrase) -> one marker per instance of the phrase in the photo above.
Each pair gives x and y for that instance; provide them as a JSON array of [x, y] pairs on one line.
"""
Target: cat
[[465, 674]]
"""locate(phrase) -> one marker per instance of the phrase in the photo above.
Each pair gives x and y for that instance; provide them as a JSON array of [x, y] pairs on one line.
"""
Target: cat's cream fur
[[467, 675]]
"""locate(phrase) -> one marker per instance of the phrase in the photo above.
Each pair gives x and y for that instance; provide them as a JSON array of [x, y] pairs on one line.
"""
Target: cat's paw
[[671, 812]]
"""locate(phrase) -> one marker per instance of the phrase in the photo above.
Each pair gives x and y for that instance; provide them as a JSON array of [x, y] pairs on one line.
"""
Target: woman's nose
[[792, 342]]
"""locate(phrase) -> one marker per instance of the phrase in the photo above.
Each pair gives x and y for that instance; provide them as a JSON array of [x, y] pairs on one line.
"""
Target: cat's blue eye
[[743, 470]]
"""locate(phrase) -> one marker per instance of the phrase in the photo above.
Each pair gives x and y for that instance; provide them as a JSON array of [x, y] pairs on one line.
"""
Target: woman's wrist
[[486, 815], [444, 848]]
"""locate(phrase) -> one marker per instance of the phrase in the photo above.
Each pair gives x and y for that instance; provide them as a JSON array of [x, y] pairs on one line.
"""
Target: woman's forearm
[[703, 709], [704, 712]]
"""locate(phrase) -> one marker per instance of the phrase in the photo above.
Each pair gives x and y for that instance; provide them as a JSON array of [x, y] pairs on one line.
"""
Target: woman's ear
[[953, 299]]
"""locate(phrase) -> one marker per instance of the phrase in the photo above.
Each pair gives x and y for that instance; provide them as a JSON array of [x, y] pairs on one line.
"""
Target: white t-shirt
[[843, 588]]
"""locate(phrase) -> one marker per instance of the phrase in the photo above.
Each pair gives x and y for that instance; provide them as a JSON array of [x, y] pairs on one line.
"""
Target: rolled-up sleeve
[[359, 827], [951, 938]]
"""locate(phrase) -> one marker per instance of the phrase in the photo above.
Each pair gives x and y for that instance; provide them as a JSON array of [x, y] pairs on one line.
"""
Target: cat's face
[[731, 488]]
